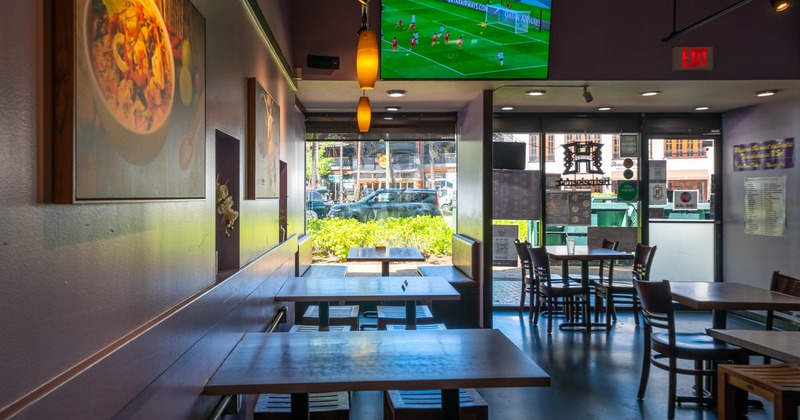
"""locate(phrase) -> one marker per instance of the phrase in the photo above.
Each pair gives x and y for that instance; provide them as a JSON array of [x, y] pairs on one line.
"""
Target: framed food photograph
[[263, 143], [129, 108]]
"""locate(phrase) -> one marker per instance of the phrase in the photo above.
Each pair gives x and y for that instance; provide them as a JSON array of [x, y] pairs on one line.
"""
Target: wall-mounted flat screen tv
[[464, 39]]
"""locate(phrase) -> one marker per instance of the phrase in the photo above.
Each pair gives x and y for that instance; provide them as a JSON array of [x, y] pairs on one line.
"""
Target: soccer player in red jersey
[[394, 44], [446, 37], [460, 41], [399, 24], [434, 37]]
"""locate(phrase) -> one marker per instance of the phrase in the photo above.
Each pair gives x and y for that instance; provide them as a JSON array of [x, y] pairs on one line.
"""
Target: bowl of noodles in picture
[[132, 74]]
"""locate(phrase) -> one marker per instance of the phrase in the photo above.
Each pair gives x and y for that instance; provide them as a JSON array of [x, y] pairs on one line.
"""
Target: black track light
[[587, 96]]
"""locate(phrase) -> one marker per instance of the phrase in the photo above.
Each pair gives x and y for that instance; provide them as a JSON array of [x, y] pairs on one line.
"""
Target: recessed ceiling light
[[507, 108], [396, 93], [535, 92], [392, 108], [650, 93], [604, 108], [388, 118], [702, 108], [780, 5], [766, 93]]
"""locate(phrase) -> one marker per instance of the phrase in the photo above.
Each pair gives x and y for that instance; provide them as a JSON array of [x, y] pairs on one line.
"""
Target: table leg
[[384, 268], [719, 318], [585, 286], [411, 312], [586, 323], [324, 315], [565, 271], [299, 407], [451, 404]]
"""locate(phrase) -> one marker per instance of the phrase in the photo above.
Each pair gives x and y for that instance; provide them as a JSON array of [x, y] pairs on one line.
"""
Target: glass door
[[681, 208]]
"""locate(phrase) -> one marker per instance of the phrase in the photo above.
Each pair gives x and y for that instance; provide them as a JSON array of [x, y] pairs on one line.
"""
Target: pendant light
[[364, 113], [367, 53]]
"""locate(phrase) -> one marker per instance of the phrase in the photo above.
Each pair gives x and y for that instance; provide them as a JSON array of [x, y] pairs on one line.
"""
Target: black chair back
[[606, 268], [643, 260], [540, 262], [656, 301], [522, 253], [782, 283]]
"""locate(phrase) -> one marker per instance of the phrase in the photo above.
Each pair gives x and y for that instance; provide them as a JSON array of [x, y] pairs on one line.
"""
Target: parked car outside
[[317, 204], [391, 202], [446, 196]]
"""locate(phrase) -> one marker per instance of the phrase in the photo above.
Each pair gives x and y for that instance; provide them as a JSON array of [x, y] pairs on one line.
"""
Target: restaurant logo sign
[[583, 158], [770, 154]]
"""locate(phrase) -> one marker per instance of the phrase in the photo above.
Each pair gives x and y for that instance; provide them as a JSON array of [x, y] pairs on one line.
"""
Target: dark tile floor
[[594, 376]]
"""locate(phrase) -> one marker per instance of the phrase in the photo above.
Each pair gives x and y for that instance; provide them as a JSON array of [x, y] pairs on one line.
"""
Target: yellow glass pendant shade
[[364, 114], [367, 59]]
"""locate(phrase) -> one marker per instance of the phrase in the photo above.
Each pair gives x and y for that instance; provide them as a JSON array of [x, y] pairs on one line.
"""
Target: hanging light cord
[[364, 22]]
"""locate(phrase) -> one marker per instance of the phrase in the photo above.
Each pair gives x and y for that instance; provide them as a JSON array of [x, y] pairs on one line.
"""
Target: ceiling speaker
[[323, 62]]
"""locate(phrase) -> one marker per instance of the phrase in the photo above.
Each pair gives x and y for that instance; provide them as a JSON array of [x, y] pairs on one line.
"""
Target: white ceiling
[[321, 96]]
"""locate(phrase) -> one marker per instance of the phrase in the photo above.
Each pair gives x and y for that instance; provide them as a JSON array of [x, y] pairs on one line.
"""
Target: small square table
[[720, 297], [385, 256], [374, 360], [361, 289], [584, 254]]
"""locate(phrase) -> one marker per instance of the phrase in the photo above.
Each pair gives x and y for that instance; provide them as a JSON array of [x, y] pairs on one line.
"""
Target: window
[[682, 148], [533, 148]]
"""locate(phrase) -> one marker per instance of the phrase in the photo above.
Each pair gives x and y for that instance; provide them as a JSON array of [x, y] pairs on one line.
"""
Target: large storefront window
[[583, 172], [369, 180]]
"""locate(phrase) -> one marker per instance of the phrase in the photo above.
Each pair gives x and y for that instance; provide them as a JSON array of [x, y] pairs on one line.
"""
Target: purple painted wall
[[80, 281], [473, 134], [748, 258]]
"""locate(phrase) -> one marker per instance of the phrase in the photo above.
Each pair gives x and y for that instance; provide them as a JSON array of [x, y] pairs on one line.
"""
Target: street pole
[[388, 165]]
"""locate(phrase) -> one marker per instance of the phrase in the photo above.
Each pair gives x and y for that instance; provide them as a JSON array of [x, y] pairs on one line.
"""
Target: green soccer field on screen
[[462, 39]]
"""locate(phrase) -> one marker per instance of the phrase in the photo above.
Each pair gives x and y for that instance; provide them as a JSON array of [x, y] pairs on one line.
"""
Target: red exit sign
[[692, 58]]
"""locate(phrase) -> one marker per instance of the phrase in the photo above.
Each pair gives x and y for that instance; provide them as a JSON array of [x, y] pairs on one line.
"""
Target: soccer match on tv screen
[[463, 39]]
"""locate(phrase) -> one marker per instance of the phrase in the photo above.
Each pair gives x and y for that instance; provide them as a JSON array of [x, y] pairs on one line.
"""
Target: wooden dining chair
[[622, 291], [662, 341], [527, 274], [552, 289], [782, 283]]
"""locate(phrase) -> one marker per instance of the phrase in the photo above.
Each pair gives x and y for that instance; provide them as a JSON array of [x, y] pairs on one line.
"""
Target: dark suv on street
[[317, 206], [391, 202]]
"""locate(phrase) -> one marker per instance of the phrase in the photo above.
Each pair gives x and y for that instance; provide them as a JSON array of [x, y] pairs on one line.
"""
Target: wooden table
[[723, 296], [385, 256], [781, 345], [584, 254], [361, 289], [374, 360]]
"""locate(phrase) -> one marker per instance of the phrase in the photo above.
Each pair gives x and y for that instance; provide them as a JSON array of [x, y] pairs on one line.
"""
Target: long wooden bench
[[305, 268], [463, 275], [427, 404], [326, 270]]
